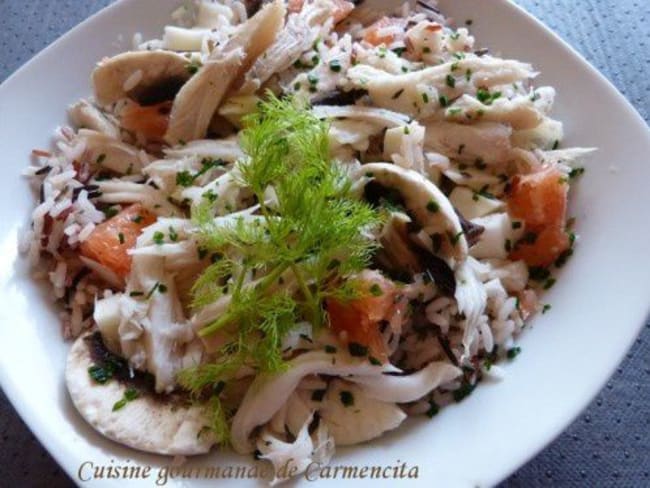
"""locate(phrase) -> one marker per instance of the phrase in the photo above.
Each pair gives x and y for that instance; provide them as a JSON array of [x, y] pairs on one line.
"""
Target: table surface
[[608, 445]]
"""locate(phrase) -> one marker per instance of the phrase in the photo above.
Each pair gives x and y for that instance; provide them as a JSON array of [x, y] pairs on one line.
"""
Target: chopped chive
[[335, 65], [575, 172], [153, 289], [357, 350], [374, 361], [375, 290], [433, 206], [513, 352], [433, 409], [318, 395], [347, 399], [463, 391], [100, 374], [184, 178], [549, 283], [451, 81]]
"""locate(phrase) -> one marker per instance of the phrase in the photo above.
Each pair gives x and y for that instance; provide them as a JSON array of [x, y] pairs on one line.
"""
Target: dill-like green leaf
[[311, 229]]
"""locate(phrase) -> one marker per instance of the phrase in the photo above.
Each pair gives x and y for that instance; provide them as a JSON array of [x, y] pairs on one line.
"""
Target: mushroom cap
[[154, 75], [148, 423]]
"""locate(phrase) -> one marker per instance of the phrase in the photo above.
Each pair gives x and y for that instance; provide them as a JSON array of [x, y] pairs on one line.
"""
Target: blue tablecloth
[[609, 445]]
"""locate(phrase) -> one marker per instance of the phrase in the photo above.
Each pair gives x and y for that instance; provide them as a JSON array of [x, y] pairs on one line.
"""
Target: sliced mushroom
[[151, 423], [145, 76], [201, 96]]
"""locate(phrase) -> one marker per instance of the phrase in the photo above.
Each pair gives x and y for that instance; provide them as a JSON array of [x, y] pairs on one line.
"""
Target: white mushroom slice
[[200, 97], [144, 423], [409, 388], [111, 153], [132, 74], [429, 206], [497, 231], [85, 115], [373, 115], [519, 112], [488, 142], [471, 204], [416, 93], [361, 418], [299, 34], [268, 393]]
